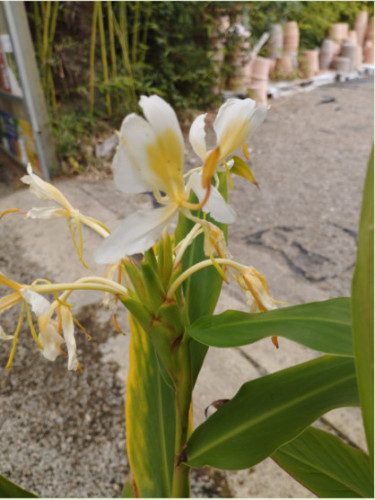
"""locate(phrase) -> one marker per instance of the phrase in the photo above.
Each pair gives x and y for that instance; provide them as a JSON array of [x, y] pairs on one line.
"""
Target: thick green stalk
[[183, 386]]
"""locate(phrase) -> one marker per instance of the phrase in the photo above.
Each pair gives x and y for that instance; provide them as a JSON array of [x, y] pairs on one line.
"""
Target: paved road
[[63, 433]]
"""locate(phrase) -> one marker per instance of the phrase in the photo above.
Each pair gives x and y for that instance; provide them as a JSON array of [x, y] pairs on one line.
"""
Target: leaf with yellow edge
[[241, 168], [150, 418]]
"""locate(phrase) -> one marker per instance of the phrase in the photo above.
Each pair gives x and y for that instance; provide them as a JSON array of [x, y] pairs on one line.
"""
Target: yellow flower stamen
[[209, 167], [12, 211], [245, 151], [31, 325], [15, 338], [230, 180]]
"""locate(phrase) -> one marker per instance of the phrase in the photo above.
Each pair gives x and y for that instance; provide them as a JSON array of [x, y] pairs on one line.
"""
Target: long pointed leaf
[[202, 289], [8, 489], [326, 465], [270, 411], [150, 418], [323, 326], [363, 307]]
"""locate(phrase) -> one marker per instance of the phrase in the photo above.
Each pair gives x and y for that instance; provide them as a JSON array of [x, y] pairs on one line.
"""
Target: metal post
[[33, 93]]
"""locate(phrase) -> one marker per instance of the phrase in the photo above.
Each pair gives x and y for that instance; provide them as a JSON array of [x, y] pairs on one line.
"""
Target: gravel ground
[[62, 434]]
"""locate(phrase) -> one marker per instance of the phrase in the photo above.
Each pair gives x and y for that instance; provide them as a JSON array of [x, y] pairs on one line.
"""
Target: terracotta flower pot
[[309, 64], [291, 37], [350, 51], [360, 26], [359, 56], [370, 31], [276, 41], [326, 54], [344, 31], [341, 64], [283, 66], [260, 67], [352, 37], [336, 32], [368, 53], [258, 90]]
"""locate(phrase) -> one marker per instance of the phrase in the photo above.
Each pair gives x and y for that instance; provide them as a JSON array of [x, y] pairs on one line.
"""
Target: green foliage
[[323, 326], [8, 489], [71, 130], [327, 466], [314, 18], [178, 56], [363, 307], [270, 411]]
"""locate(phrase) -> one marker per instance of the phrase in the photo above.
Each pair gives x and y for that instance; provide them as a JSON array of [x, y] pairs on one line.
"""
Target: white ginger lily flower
[[30, 299], [46, 191], [150, 157], [50, 337], [255, 287], [236, 120]]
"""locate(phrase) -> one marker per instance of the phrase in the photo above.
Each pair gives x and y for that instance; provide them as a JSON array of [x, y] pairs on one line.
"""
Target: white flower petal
[[234, 123], [160, 115], [165, 156], [135, 234], [197, 136], [216, 205], [50, 339], [46, 213], [258, 117], [44, 190], [68, 332], [4, 336], [37, 185], [39, 304], [130, 164]]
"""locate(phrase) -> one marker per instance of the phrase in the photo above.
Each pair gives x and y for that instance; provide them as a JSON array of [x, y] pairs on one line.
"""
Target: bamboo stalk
[[103, 50], [136, 25], [55, 10], [47, 16], [92, 57], [123, 36], [146, 25], [37, 25], [112, 39]]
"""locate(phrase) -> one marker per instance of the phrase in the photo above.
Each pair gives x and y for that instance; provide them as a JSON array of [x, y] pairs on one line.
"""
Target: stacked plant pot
[[350, 48], [291, 41], [368, 46], [309, 63], [260, 67]]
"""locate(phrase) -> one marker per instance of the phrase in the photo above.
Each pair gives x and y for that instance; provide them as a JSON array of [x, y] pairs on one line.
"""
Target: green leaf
[[202, 289], [270, 411], [241, 168], [326, 465], [150, 418], [323, 326], [12, 490], [363, 307], [127, 490]]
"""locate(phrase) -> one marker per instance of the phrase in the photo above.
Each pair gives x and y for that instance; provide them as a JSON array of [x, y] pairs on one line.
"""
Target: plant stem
[[183, 386]]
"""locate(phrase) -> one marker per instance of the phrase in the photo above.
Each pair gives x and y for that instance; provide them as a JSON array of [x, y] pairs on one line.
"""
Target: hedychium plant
[[171, 296]]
